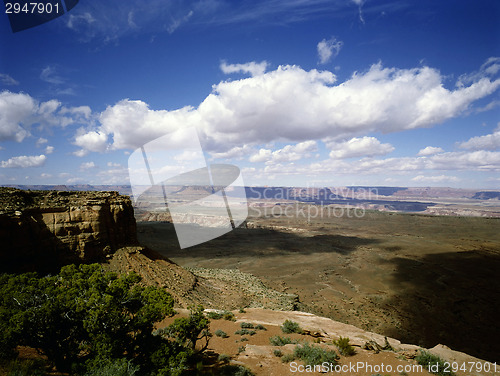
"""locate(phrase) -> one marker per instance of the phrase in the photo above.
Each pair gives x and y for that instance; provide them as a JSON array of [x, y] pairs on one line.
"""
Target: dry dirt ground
[[420, 279]]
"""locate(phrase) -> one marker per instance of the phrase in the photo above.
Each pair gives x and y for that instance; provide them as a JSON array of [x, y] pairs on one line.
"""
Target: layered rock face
[[42, 230]]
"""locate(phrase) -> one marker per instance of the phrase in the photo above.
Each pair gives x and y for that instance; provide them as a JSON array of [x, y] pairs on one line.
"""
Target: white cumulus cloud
[[90, 141], [237, 152], [41, 141], [288, 153], [328, 49], [290, 104], [87, 165], [252, 68], [359, 147], [488, 142], [24, 161], [475, 160], [430, 150], [16, 115], [19, 111]]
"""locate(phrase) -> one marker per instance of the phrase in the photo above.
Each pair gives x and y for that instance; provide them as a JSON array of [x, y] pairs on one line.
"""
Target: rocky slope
[[212, 288]]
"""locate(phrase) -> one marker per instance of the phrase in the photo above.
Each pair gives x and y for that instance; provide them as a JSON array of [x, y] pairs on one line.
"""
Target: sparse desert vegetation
[[344, 347], [433, 363], [243, 332], [314, 355], [221, 333], [281, 341], [291, 327], [226, 315]]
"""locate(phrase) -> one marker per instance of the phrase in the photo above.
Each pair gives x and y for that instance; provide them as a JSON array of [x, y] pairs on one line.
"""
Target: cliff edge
[[42, 230]]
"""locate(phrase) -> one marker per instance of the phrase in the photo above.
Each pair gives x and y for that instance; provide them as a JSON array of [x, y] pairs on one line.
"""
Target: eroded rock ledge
[[42, 230]]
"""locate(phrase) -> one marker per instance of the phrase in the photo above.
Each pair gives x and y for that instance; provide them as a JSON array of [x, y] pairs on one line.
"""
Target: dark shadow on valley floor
[[161, 237], [452, 299]]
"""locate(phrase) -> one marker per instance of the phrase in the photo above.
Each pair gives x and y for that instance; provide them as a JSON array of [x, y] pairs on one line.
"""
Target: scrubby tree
[[84, 318], [188, 331]]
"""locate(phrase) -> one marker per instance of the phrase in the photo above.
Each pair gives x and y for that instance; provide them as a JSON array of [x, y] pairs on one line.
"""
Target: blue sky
[[326, 93]]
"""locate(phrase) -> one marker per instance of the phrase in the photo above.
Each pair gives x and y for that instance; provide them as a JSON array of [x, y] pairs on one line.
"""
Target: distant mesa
[[487, 195]]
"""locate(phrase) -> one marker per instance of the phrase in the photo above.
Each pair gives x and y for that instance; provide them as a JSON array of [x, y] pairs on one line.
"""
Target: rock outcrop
[[42, 230]]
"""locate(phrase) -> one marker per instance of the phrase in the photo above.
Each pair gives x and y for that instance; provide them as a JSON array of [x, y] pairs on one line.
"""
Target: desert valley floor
[[418, 278]]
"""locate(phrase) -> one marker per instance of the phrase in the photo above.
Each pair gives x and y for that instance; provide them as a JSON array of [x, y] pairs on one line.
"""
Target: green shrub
[[344, 347], [287, 358], [260, 327], [31, 367], [242, 310], [243, 332], [226, 315], [314, 355], [280, 341], [224, 358], [278, 353], [234, 370], [247, 325], [221, 333], [117, 367], [291, 327], [212, 315], [429, 361]]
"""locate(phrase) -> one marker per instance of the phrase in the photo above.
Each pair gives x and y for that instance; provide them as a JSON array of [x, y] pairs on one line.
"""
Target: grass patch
[[291, 327], [344, 347], [433, 363]]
